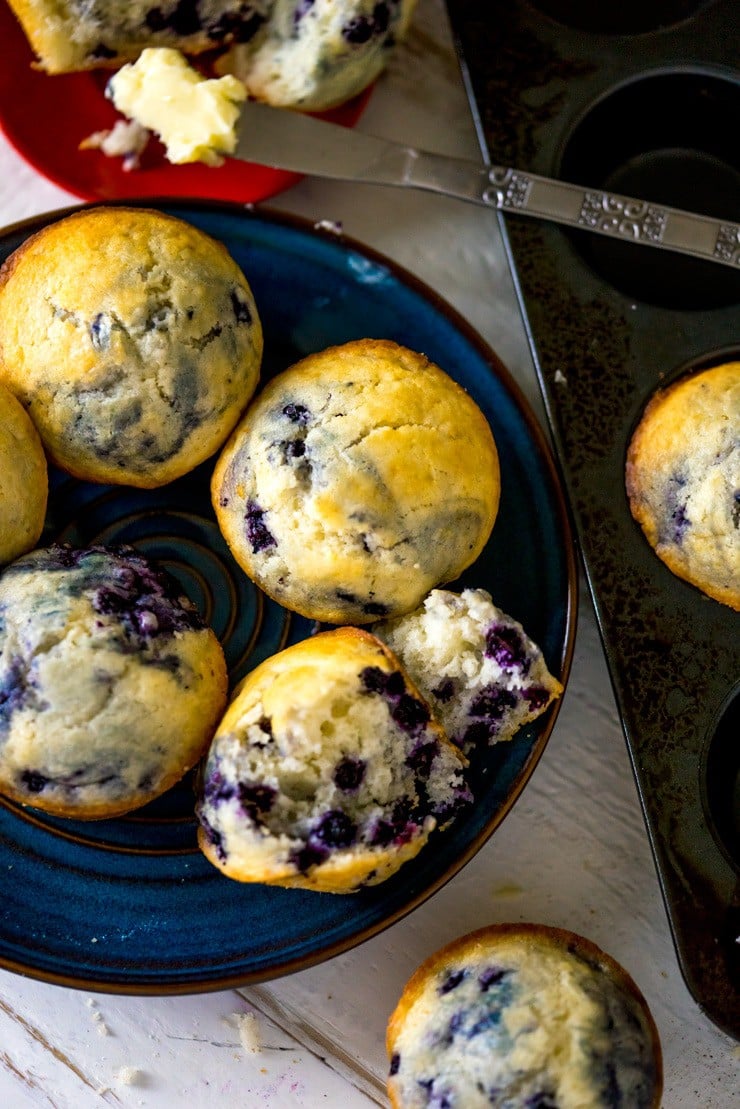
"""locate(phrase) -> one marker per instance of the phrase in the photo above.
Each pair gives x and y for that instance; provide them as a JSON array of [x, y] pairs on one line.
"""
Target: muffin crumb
[[249, 1032]]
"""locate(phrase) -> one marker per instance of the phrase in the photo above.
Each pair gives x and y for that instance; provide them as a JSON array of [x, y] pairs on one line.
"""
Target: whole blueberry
[[301, 8], [242, 311], [681, 523], [478, 733], [410, 713], [445, 690], [358, 30], [543, 1099], [421, 757], [336, 829], [451, 981], [375, 608], [13, 688], [33, 781], [297, 413], [217, 789], [213, 836], [348, 773], [493, 702], [100, 330], [491, 976], [307, 856], [256, 799], [505, 645], [388, 683], [536, 697], [259, 535]]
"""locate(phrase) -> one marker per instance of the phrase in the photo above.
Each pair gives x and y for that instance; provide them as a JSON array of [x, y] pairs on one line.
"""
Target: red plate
[[45, 119]]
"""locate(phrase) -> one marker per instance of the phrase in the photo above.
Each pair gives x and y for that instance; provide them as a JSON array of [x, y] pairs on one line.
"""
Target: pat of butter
[[194, 117]]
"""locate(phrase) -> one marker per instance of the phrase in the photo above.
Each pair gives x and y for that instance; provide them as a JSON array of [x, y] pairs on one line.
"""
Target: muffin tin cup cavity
[[667, 138], [721, 780], [652, 116], [632, 17]]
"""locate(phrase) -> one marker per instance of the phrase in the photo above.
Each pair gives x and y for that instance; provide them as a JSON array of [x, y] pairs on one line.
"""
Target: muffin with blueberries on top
[[111, 685]]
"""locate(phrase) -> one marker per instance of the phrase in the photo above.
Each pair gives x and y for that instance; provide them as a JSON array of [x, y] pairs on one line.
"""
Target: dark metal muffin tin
[[639, 98]]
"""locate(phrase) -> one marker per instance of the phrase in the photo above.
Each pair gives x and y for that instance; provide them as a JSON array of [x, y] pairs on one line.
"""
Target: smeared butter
[[195, 117]]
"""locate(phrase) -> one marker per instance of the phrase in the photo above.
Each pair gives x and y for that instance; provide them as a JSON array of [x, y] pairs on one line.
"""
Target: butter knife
[[301, 143]]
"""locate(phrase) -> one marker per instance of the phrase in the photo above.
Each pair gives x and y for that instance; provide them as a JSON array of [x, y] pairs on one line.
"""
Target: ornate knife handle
[[620, 217], [304, 144]]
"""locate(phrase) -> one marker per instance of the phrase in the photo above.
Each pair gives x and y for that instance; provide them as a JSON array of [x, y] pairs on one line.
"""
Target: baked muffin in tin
[[683, 479]]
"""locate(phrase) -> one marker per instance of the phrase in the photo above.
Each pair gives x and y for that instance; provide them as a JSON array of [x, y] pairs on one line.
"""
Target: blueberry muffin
[[70, 35], [110, 684], [480, 672], [328, 771], [24, 484], [133, 341], [523, 1016], [683, 479], [315, 54], [357, 481], [310, 54]]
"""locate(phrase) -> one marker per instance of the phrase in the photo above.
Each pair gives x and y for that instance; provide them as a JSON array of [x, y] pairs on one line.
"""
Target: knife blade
[[291, 140]]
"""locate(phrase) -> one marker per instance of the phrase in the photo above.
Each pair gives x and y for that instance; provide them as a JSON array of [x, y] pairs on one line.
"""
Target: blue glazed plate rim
[[196, 977]]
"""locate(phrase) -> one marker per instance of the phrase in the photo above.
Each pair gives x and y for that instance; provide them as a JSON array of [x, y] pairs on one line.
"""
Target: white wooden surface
[[573, 852]]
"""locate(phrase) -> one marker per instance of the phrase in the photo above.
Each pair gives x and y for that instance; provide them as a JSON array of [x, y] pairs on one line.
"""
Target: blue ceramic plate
[[130, 905]]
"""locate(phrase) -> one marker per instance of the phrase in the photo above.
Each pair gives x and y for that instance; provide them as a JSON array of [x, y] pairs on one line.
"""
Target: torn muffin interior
[[477, 667], [72, 35], [328, 770]]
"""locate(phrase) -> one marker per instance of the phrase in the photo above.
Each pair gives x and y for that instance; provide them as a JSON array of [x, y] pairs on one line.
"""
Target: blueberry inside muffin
[[310, 54], [314, 54], [71, 35]]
